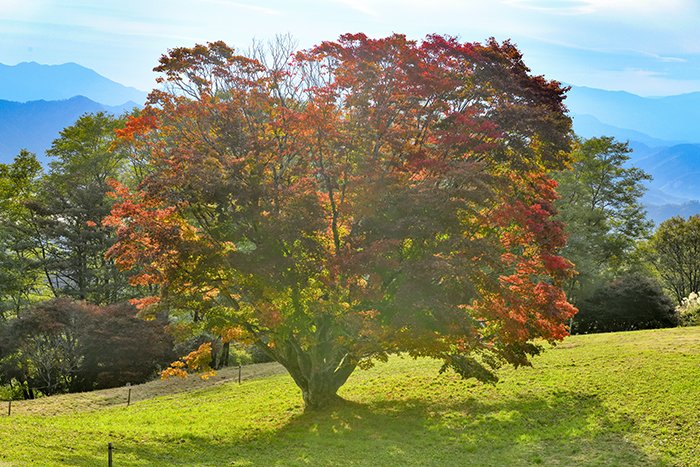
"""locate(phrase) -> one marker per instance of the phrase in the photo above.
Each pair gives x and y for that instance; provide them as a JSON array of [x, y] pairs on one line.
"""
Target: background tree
[[370, 197], [40, 349], [20, 271], [674, 251], [69, 208], [600, 206], [630, 302]]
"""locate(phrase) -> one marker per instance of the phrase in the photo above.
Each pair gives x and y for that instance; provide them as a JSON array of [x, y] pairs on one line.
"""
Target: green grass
[[627, 399]]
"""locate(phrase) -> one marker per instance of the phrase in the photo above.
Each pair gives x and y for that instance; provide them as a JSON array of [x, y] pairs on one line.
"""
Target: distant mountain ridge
[[588, 126], [31, 81], [672, 118], [664, 133], [34, 125], [38, 101]]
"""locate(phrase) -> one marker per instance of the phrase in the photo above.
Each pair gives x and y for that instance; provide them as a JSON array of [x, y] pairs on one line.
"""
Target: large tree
[[362, 198]]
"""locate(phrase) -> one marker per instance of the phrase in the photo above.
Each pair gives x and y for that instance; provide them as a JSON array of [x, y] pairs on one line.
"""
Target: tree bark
[[226, 354], [318, 400], [319, 388], [319, 370]]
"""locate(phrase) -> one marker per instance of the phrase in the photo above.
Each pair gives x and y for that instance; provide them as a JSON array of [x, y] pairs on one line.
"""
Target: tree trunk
[[319, 399], [319, 388], [319, 369], [27, 391], [226, 354], [319, 385]]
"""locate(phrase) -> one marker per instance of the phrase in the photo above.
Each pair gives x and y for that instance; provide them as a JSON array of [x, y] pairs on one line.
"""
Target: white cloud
[[549, 6], [12, 5], [643, 7], [666, 59], [625, 7], [245, 6], [18, 10], [366, 7]]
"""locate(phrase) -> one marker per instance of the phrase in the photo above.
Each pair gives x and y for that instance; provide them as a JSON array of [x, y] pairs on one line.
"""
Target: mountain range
[[37, 101], [30, 81], [664, 133], [34, 125], [669, 119]]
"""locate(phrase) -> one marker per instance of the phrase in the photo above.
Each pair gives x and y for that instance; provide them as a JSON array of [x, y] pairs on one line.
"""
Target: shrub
[[629, 302], [119, 348], [64, 346], [235, 353], [689, 310], [239, 357], [40, 349]]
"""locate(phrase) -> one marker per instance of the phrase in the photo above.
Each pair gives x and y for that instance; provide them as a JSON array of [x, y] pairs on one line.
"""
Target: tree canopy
[[51, 240], [70, 208], [363, 197]]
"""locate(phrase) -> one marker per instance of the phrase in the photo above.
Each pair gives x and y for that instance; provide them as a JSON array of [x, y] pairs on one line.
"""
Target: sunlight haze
[[644, 47]]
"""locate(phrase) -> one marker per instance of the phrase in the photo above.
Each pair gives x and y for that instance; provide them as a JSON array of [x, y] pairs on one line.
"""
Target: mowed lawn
[[627, 399]]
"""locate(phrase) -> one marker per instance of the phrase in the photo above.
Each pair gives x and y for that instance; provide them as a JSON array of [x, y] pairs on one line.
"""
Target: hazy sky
[[649, 47]]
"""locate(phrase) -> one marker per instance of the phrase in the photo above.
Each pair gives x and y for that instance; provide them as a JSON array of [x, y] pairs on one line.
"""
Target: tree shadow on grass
[[565, 428]]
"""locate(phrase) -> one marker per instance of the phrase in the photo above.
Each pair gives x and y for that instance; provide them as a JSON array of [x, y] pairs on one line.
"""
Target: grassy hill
[[610, 399]]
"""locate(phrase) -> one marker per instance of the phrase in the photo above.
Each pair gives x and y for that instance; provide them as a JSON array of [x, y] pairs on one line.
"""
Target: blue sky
[[648, 47]]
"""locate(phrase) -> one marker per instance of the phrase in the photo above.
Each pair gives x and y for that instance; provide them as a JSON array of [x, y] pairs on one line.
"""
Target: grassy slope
[[612, 399]]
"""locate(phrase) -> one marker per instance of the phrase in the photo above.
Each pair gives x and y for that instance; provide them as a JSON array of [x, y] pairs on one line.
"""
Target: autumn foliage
[[361, 198]]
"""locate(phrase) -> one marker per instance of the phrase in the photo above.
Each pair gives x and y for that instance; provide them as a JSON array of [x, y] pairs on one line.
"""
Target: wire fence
[[111, 448], [127, 395]]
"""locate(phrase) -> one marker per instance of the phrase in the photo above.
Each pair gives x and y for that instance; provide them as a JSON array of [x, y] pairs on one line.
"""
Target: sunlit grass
[[610, 399]]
